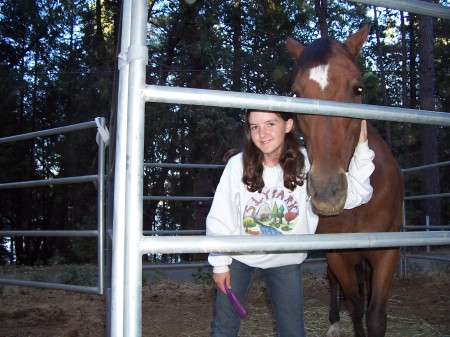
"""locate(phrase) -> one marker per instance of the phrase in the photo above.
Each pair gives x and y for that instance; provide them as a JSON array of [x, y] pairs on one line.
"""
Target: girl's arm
[[358, 176], [223, 218]]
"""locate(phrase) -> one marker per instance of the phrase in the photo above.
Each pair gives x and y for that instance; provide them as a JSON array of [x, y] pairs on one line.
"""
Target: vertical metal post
[[137, 56], [101, 210], [402, 249], [116, 316], [427, 224], [404, 260]]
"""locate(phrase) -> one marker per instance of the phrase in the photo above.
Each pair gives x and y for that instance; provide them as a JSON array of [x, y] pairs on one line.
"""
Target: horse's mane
[[316, 54]]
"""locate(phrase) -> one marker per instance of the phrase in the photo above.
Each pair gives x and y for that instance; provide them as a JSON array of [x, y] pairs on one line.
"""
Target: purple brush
[[235, 302]]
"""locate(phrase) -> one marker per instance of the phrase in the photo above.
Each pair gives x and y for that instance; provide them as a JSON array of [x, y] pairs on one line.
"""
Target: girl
[[262, 191]]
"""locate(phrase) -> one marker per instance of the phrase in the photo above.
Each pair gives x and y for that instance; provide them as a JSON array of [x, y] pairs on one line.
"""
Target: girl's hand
[[220, 279], [363, 134]]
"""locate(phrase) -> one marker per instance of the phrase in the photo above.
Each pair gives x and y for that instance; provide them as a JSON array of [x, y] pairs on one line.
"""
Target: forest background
[[58, 67]]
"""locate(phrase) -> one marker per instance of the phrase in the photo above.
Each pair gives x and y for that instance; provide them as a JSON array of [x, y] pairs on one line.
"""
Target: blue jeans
[[285, 288]]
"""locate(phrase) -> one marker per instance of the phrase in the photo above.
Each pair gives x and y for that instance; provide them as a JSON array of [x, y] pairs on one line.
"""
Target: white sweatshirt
[[276, 210]]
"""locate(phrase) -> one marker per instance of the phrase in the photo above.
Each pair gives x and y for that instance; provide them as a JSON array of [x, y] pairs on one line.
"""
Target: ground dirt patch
[[419, 306]]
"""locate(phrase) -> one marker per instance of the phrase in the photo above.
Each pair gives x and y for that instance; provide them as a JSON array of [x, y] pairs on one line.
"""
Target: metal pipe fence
[[126, 306], [414, 6], [245, 244], [428, 257], [49, 285], [98, 178], [115, 297], [431, 227], [49, 182], [424, 167], [51, 233], [206, 264], [129, 240], [239, 100], [427, 227], [48, 132], [427, 196]]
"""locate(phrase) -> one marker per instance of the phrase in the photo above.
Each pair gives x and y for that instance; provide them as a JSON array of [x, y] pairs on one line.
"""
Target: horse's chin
[[327, 209]]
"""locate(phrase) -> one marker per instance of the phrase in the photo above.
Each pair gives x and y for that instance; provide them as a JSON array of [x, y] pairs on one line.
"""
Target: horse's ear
[[355, 42], [294, 48]]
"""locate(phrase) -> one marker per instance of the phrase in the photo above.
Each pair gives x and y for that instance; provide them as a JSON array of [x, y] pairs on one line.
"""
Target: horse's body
[[326, 70]]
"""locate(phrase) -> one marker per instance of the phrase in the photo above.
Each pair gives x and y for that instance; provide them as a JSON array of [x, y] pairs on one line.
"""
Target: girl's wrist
[[221, 269]]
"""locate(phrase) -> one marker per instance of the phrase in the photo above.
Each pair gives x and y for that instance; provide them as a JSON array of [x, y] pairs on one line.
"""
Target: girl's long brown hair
[[291, 160]]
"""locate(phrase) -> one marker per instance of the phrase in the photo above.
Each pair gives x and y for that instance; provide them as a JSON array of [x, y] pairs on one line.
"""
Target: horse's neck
[[386, 165], [376, 142]]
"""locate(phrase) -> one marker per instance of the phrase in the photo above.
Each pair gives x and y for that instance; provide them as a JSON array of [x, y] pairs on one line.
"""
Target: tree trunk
[[237, 59], [383, 76], [99, 36], [429, 142], [407, 132], [320, 7]]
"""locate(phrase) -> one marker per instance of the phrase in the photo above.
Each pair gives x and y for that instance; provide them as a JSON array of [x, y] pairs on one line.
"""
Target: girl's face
[[267, 131]]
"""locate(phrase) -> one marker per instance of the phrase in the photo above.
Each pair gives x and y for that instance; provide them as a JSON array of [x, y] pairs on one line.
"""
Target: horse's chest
[[346, 222]]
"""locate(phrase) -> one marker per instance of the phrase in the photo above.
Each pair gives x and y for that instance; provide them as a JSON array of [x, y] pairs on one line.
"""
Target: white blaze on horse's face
[[319, 74]]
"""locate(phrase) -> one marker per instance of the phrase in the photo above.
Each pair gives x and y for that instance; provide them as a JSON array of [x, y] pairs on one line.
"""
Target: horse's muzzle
[[328, 193]]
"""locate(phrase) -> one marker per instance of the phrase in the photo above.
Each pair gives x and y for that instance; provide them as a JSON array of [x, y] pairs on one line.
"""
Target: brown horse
[[326, 70]]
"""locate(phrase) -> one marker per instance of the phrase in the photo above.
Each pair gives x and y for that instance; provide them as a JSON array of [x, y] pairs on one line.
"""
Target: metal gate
[[129, 243], [98, 178]]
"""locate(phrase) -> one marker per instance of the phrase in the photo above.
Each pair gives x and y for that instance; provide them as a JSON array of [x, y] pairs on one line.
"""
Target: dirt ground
[[419, 306]]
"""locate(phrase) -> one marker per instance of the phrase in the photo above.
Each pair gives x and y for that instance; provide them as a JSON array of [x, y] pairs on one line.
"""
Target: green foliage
[[54, 76], [57, 63]]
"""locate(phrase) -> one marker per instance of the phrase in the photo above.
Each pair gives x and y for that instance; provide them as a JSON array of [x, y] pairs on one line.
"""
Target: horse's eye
[[358, 90]]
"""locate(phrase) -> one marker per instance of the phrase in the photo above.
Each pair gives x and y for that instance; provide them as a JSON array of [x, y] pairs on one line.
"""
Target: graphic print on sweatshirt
[[274, 211]]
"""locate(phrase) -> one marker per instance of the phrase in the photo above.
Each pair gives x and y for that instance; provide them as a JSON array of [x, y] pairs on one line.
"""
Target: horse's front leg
[[384, 263], [333, 313], [345, 266]]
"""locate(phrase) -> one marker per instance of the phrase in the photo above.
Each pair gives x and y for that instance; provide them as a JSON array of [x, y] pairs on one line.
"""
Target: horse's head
[[326, 70]]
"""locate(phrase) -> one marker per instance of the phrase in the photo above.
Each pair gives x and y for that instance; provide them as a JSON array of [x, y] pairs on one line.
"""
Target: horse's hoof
[[333, 331]]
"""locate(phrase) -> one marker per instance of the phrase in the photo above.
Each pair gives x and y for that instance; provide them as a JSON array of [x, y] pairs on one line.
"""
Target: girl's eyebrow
[[265, 122]]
